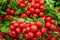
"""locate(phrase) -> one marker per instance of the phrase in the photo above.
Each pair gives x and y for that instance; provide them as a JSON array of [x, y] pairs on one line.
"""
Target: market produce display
[[29, 19]]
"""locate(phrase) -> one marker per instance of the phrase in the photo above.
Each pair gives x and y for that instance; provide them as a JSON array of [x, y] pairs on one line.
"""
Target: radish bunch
[[33, 30], [35, 9]]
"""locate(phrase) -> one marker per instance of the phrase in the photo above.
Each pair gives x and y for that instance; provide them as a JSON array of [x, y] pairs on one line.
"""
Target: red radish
[[43, 30], [0, 37], [23, 30], [34, 28], [9, 32], [35, 38], [10, 16], [48, 19], [37, 1], [38, 34], [32, 23], [27, 25], [53, 27], [12, 27], [29, 7], [8, 10], [20, 1], [13, 22], [32, 10], [19, 22], [39, 24], [7, 17], [30, 0], [41, 2], [49, 37], [50, 32], [12, 12], [28, 12], [37, 5], [26, 36], [31, 16], [48, 25], [53, 38], [14, 39], [53, 22], [17, 30], [16, 25], [28, 29], [26, 2], [35, 15], [22, 26], [22, 5], [44, 38], [30, 35], [32, 4], [13, 33], [23, 15], [41, 14], [42, 7], [37, 11]]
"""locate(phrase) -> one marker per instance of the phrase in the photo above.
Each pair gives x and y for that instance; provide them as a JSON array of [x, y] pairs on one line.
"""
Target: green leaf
[[15, 18], [55, 34], [58, 16], [2, 12], [18, 11], [54, 16], [35, 19], [2, 2], [4, 29], [39, 19], [5, 26], [46, 35], [25, 9], [3, 6], [13, 4], [28, 20], [8, 38], [22, 19], [22, 37], [51, 6], [50, 3], [57, 3]]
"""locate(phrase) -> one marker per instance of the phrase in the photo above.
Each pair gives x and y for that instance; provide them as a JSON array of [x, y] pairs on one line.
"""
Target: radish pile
[[36, 9], [29, 20], [29, 30]]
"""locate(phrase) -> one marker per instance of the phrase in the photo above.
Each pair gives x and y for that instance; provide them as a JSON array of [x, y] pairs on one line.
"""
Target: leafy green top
[[51, 6]]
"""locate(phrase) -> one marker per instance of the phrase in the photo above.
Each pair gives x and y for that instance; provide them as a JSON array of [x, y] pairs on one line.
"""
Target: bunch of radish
[[35, 24], [36, 8]]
